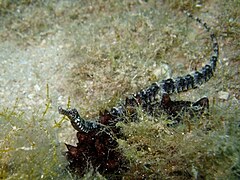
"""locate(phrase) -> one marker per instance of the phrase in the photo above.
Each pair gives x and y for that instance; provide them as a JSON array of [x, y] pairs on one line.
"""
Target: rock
[[162, 72], [223, 95]]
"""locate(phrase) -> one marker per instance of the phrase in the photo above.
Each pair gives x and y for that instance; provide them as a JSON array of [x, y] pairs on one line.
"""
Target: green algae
[[207, 148]]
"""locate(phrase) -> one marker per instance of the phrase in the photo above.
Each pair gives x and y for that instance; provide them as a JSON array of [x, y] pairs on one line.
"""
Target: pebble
[[37, 87], [223, 95], [163, 71]]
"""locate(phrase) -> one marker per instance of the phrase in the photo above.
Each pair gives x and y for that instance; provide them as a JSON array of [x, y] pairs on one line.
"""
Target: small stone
[[30, 96], [37, 87], [43, 43], [223, 95], [60, 98], [162, 72]]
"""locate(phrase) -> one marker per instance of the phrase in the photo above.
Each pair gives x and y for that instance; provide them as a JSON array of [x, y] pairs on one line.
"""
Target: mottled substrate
[[153, 149]]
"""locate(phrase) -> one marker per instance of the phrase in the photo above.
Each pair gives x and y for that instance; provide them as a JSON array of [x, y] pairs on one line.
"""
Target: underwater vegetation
[[117, 48]]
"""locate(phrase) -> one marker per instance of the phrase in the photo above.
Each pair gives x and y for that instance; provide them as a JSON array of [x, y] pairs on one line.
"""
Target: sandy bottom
[[26, 72]]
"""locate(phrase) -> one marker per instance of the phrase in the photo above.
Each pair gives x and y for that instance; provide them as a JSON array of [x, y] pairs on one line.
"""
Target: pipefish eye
[[74, 113]]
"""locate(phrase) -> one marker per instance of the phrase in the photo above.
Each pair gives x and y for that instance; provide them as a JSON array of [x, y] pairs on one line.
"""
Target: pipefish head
[[72, 114]]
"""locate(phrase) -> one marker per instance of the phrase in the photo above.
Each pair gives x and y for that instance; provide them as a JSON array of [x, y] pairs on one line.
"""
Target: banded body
[[155, 96], [77, 122]]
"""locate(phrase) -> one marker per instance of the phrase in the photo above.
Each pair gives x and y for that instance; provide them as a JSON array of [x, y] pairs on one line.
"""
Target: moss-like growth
[[116, 47], [205, 148], [29, 147]]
